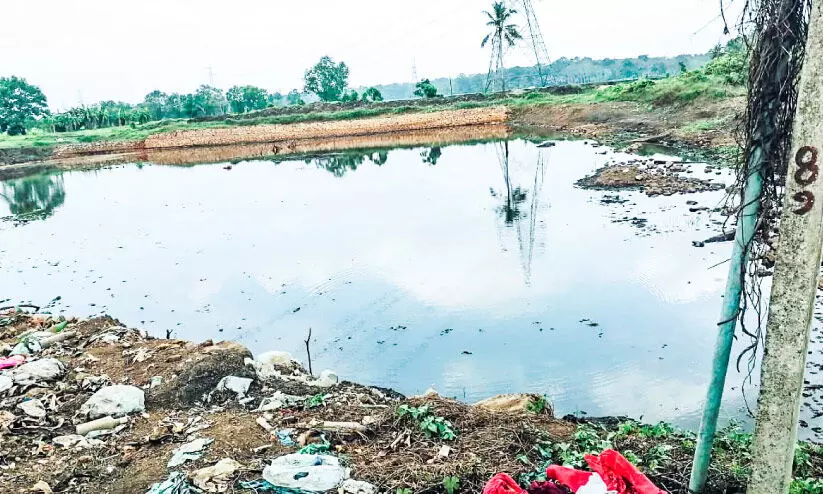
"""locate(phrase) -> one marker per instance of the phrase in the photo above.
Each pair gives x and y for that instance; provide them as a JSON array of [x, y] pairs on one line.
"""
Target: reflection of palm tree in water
[[511, 209], [34, 197]]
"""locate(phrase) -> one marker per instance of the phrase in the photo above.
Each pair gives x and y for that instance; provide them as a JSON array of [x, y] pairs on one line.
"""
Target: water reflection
[[431, 155], [524, 224], [263, 252], [34, 197]]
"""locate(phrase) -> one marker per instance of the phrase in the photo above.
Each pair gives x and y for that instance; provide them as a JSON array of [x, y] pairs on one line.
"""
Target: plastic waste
[[315, 448], [280, 400], [238, 385], [117, 401], [327, 379], [315, 473], [76, 441], [33, 408], [28, 345], [216, 478], [284, 436], [6, 382], [13, 361], [45, 369], [350, 486], [189, 451], [175, 484], [100, 424]]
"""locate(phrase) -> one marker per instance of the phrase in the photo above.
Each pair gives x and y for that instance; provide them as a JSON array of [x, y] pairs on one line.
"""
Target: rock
[[546, 144], [117, 401], [313, 473], [350, 486], [200, 377], [218, 477], [237, 385], [189, 451], [513, 403], [33, 408], [43, 370]]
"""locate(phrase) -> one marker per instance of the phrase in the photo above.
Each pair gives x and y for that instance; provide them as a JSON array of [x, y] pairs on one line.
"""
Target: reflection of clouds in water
[[633, 392], [672, 280]]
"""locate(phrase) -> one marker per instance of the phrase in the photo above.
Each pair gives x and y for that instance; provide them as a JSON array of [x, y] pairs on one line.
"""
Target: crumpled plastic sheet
[[175, 484], [264, 486]]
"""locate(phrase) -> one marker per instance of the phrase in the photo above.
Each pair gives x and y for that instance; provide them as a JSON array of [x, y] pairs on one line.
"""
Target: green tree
[[372, 95], [156, 101], [243, 99], [294, 98], [501, 36], [350, 96], [19, 102], [425, 89], [327, 79]]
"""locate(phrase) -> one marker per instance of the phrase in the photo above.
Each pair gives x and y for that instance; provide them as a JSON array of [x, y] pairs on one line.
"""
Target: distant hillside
[[560, 72]]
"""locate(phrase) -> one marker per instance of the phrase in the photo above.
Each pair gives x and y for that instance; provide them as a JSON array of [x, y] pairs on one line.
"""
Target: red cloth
[[620, 475], [546, 488], [502, 484], [571, 478]]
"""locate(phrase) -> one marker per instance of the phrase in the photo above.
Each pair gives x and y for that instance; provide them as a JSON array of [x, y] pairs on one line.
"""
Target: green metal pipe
[[728, 320]]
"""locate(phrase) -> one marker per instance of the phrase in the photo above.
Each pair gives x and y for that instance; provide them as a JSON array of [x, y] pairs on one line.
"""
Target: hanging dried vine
[[775, 34]]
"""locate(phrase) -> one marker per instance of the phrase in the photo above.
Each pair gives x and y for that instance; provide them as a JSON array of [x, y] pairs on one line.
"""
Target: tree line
[[24, 106]]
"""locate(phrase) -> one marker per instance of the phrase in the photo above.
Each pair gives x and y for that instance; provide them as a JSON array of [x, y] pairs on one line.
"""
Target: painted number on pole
[[806, 174]]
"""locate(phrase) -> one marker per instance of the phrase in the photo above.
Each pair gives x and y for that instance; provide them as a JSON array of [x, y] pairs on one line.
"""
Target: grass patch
[[664, 453]]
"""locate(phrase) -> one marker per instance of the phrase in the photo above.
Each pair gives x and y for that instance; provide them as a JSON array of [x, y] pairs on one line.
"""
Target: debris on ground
[[217, 478], [653, 177], [313, 473], [113, 410]]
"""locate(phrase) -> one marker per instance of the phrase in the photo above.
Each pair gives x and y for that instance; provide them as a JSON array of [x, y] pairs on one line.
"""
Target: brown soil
[[625, 120]]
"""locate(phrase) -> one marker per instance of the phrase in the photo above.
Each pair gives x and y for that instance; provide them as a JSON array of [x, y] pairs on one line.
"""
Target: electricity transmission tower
[[541, 54]]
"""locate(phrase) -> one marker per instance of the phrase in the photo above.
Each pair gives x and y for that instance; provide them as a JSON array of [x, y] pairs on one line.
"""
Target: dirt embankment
[[703, 124], [224, 136]]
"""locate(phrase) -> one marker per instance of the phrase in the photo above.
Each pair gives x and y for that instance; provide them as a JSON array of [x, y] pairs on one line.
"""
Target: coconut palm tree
[[503, 35]]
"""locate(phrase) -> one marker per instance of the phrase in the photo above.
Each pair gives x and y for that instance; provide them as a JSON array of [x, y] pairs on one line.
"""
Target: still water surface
[[419, 267]]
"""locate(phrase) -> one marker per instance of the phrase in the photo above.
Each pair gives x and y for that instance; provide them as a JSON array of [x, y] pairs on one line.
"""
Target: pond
[[474, 269]]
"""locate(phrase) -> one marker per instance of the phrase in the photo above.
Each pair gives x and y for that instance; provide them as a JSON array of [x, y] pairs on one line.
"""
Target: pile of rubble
[[652, 176]]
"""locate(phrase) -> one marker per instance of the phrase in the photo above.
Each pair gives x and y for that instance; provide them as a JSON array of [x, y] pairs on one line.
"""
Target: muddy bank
[[272, 406]]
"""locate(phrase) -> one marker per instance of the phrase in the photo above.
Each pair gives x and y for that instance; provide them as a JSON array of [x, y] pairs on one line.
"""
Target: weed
[[404, 490], [451, 484], [431, 425], [536, 405], [806, 486]]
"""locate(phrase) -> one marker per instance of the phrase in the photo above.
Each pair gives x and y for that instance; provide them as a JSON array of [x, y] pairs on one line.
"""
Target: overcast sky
[[121, 50]]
